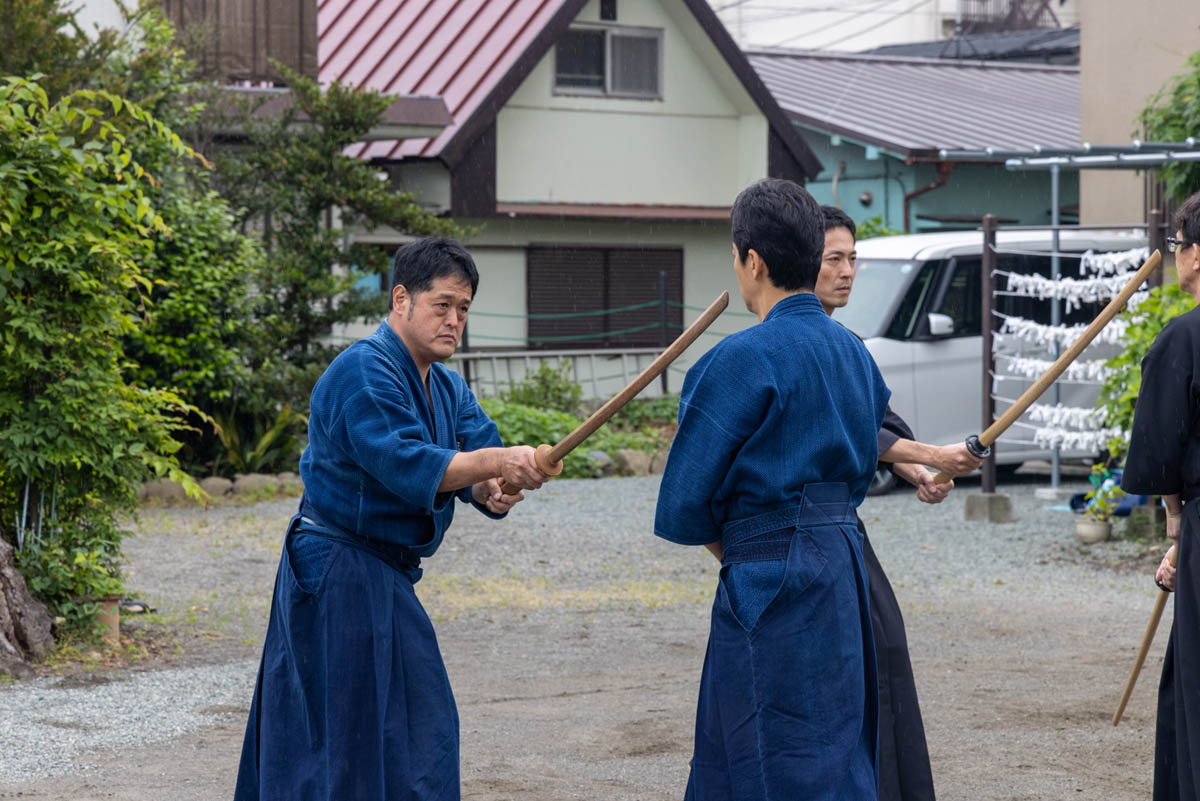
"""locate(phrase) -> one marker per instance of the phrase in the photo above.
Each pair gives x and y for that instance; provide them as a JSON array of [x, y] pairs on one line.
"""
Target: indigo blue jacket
[[794, 400], [377, 449]]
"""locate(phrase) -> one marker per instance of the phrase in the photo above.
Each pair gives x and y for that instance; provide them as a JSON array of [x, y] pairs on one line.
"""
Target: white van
[[932, 363]]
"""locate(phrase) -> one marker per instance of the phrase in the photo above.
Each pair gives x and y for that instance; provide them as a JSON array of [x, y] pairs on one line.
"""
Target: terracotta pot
[[1089, 531], [109, 617]]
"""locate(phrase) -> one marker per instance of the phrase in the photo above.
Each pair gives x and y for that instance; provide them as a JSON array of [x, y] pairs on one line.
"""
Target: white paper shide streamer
[[1022, 345]]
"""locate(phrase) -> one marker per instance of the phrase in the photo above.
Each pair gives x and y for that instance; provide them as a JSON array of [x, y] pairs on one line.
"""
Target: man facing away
[[776, 446], [1164, 459], [904, 771], [352, 699]]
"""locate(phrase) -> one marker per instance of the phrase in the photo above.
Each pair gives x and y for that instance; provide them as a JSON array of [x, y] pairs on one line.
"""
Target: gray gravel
[[572, 631], [47, 723]]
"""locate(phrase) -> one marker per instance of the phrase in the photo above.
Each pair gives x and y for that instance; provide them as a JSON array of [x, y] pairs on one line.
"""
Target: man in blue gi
[[776, 447], [352, 700]]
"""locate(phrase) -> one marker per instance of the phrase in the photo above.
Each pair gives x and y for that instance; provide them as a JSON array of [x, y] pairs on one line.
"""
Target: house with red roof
[[596, 144]]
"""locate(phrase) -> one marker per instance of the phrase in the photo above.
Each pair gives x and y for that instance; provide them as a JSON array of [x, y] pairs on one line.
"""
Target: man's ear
[[756, 265], [399, 297]]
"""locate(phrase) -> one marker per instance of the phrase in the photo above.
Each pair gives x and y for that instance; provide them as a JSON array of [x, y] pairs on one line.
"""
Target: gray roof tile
[[916, 106]]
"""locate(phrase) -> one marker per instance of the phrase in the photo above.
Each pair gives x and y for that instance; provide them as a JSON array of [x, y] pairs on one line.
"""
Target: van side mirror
[[940, 325]]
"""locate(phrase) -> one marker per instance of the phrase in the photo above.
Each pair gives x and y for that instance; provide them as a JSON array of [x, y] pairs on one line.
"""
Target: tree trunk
[[24, 622]]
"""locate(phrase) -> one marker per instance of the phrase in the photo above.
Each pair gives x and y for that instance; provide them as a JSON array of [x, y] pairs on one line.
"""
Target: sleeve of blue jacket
[[385, 436], [475, 431], [722, 402]]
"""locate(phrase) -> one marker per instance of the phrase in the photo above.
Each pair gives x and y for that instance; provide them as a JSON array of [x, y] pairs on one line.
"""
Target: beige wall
[[697, 146], [1129, 49]]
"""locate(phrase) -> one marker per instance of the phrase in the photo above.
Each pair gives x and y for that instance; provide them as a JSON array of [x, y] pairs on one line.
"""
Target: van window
[[878, 288], [904, 321], [960, 300]]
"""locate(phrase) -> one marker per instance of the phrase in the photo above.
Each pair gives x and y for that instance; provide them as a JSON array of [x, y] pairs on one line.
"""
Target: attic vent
[[608, 10], [620, 62]]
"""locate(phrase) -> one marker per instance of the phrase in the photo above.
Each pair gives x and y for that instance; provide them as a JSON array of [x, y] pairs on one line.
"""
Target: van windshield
[[879, 284]]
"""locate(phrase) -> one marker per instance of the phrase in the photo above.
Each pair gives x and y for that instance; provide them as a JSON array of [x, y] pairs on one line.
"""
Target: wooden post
[[987, 299], [1156, 238]]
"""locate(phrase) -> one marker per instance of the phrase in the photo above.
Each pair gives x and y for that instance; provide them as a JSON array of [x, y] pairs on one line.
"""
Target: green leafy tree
[[77, 437], [44, 37], [299, 191], [196, 332], [1172, 115]]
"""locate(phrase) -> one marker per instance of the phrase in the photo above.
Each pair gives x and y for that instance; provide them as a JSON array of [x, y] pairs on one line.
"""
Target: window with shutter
[[609, 60], [563, 282]]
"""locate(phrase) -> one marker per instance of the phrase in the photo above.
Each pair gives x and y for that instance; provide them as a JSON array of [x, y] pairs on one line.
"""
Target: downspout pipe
[[944, 169]]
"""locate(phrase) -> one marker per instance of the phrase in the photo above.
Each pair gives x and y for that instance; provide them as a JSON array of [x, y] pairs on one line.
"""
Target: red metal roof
[[457, 49]]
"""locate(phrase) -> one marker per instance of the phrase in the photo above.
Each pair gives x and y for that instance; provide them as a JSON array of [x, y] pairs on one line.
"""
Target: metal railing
[[598, 372]]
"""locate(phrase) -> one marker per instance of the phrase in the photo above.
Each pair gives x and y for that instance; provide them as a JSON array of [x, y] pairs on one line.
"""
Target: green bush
[[642, 412], [77, 437], [547, 388], [525, 425], [873, 227], [1120, 391], [1118, 395]]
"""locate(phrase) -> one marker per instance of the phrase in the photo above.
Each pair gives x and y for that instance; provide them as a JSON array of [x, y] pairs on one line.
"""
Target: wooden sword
[[1160, 603], [981, 445], [549, 458]]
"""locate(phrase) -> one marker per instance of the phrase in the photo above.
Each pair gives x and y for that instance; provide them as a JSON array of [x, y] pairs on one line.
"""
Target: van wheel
[[882, 482]]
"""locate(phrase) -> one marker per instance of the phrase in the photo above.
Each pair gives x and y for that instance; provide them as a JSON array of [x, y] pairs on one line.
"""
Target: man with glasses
[[1164, 459]]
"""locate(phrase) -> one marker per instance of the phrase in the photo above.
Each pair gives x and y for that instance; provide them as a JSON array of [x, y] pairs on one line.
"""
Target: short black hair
[[416, 264], [1187, 219], [782, 222], [836, 218]]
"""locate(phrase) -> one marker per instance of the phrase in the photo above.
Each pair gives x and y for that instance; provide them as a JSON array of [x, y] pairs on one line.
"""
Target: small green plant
[[266, 446], [1105, 494], [1120, 391], [873, 227], [525, 425], [547, 388], [642, 412]]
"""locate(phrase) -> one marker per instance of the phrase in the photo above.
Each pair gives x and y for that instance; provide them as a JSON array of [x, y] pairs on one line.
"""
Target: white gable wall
[[698, 146]]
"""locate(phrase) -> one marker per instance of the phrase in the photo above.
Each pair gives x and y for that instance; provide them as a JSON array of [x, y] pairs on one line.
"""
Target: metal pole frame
[[1055, 310], [987, 300]]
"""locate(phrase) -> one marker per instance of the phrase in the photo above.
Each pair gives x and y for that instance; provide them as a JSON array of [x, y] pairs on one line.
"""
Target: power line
[[835, 24], [880, 24]]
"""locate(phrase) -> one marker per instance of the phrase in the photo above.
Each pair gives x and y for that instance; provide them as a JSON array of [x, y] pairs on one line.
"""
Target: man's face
[[837, 269], [1186, 256], [432, 323]]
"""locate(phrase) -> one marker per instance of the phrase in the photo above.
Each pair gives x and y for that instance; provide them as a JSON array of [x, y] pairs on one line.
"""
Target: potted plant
[[1095, 525]]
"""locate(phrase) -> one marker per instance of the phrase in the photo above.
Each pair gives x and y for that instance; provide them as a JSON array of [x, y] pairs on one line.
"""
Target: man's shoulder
[[1180, 332]]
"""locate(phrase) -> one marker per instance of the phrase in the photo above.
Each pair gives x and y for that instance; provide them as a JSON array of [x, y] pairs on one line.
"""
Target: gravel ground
[[574, 641]]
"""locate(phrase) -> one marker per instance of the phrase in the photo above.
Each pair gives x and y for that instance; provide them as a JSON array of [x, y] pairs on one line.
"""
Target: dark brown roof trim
[[486, 112], [754, 85]]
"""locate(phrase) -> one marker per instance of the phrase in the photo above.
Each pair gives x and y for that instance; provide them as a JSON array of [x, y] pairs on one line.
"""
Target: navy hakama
[[352, 700], [803, 726], [775, 448], [904, 769]]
